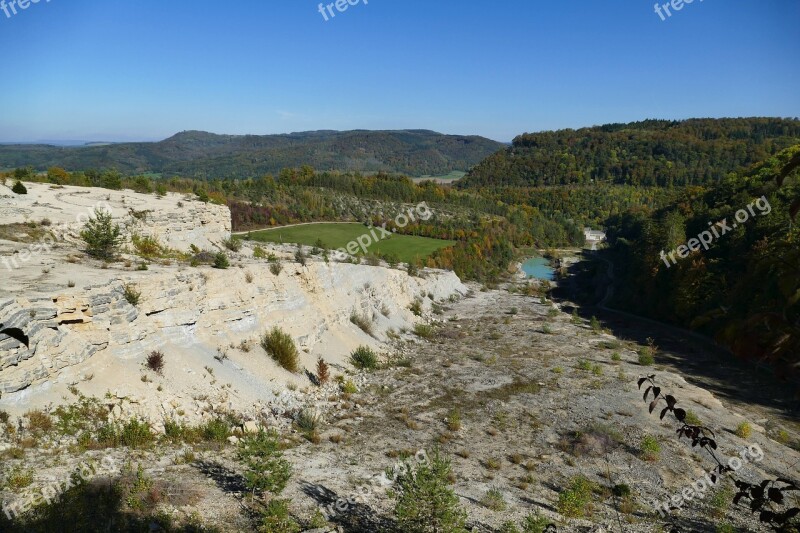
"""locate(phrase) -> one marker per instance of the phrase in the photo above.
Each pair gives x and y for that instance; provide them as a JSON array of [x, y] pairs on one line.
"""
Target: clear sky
[[146, 69]]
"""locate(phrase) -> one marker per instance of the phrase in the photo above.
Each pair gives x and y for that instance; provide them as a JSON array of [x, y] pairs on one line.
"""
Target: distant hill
[[652, 152], [207, 155]]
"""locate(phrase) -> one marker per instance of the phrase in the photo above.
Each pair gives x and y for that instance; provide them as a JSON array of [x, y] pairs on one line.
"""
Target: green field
[[338, 235]]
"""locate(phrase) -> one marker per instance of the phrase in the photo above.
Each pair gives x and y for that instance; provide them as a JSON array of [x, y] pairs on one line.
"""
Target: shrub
[[616, 357], [744, 430], [221, 261], [39, 421], [155, 361], [323, 372], [101, 235], [424, 331], [425, 502], [646, 359], [692, 419], [19, 188], [259, 253], [275, 518], [136, 434], [621, 490], [216, 430], [650, 448], [573, 502], [349, 387], [306, 420], [300, 256], [147, 246], [233, 244], [416, 307], [267, 470], [535, 523], [280, 346], [594, 324], [132, 296], [454, 420], [275, 267], [364, 358]]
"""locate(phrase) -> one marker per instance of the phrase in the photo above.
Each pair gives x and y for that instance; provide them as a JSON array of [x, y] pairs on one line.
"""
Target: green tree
[[111, 179], [425, 501], [57, 175], [221, 261], [19, 188], [267, 470], [101, 235]]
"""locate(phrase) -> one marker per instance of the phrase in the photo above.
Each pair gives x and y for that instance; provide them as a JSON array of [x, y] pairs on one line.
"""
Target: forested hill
[[206, 155], [745, 288], [652, 152]]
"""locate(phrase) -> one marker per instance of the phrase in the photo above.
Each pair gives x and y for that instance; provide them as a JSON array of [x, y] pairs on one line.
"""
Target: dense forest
[[745, 289], [648, 153], [205, 155], [487, 230]]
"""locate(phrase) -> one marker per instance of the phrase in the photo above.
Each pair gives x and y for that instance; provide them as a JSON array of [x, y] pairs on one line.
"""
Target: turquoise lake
[[539, 268]]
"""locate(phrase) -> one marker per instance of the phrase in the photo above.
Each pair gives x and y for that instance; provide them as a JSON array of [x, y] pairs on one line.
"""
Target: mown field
[[337, 235]]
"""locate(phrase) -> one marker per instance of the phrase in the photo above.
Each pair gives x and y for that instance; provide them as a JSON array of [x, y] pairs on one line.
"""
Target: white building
[[594, 235]]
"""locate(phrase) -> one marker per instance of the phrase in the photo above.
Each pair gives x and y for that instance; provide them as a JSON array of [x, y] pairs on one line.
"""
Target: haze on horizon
[[119, 71]]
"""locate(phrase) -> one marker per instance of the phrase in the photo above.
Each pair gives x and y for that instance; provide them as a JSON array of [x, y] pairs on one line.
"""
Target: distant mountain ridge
[[207, 155]]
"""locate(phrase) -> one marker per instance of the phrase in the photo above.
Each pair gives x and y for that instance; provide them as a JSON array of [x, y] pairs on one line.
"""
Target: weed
[[650, 448], [132, 296], [494, 500], [362, 321], [155, 361], [424, 331], [744, 430], [323, 371], [454, 420], [575, 500]]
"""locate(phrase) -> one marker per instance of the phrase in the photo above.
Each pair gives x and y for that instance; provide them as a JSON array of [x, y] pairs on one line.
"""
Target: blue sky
[[146, 69]]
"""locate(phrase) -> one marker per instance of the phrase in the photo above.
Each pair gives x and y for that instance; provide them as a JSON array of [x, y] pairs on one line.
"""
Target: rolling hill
[[207, 155], [651, 152]]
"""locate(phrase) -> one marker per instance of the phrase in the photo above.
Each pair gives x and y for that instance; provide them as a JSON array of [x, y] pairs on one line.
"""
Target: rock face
[[206, 323]]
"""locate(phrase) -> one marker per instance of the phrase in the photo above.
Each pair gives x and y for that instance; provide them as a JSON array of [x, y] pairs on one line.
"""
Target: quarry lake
[[539, 268]]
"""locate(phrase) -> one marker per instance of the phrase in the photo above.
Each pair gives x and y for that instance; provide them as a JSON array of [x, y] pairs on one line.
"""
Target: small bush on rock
[[280, 346]]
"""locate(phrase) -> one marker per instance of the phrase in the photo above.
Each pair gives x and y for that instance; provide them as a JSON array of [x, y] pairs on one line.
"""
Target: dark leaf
[[766, 516], [641, 380], [663, 412], [653, 404], [791, 513], [680, 414], [757, 493], [756, 504], [656, 391], [646, 392], [671, 401]]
